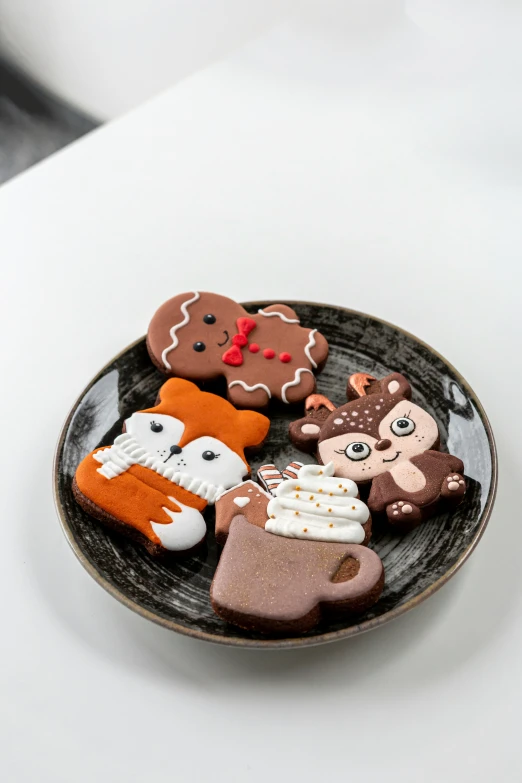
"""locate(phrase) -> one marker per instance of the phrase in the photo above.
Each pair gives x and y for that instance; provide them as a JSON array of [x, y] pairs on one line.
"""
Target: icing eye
[[357, 451], [209, 318], [403, 426], [209, 455], [199, 347], [155, 426]]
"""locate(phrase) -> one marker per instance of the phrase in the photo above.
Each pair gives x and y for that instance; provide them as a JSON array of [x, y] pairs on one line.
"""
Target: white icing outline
[[281, 315], [174, 329], [311, 344], [295, 382], [251, 388], [241, 485]]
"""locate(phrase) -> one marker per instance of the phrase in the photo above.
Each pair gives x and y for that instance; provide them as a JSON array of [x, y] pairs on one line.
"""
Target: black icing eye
[[199, 346], [209, 455], [403, 426], [209, 318], [155, 426], [357, 451]]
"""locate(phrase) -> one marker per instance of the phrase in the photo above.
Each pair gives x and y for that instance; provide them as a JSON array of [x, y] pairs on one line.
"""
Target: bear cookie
[[380, 436], [171, 460], [202, 336]]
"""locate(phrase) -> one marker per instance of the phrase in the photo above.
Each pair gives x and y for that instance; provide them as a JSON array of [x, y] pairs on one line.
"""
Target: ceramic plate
[[416, 565]]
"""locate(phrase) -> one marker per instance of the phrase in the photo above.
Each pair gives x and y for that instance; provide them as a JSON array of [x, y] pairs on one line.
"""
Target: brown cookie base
[[268, 583], [156, 550]]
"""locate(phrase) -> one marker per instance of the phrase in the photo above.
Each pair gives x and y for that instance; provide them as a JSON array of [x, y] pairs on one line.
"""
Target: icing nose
[[175, 450], [382, 445]]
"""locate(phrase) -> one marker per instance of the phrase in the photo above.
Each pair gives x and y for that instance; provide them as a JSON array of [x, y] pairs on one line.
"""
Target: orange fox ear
[[254, 427], [175, 387]]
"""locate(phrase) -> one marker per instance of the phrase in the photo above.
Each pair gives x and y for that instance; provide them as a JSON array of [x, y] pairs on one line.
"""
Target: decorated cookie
[[297, 554], [381, 437], [276, 585], [247, 499], [202, 336], [170, 461]]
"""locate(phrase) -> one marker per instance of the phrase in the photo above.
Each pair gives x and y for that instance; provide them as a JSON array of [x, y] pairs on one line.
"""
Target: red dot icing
[[269, 353], [285, 357], [253, 347]]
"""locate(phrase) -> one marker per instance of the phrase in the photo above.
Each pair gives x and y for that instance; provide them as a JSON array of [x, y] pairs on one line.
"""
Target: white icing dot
[[366, 411], [377, 407], [250, 490], [338, 421], [361, 426], [344, 413], [382, 400], [258, 495], [352, 424], [370, 419], [354, 413], [241, 502]]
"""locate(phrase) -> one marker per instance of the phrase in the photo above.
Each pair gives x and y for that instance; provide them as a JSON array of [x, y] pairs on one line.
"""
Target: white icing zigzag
[[311, 343], [174, 329], [126, 451], [251, 388], [281, 316], [295, 382]]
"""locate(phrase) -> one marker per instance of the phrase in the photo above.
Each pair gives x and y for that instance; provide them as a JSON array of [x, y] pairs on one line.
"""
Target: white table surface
[[386, 179]]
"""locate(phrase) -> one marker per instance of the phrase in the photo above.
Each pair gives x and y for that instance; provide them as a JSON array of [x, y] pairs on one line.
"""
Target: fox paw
[[453, 487], [404, 515]]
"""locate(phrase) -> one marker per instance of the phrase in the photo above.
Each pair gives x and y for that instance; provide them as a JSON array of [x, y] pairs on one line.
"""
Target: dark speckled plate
[[416, 565]]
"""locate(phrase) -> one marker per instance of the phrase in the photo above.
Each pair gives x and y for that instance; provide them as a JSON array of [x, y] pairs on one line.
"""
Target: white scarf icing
[[319, 507], [126, 451]]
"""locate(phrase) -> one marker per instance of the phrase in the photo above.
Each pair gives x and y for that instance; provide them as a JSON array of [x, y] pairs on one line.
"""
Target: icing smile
[[225, 341], [393, 458]]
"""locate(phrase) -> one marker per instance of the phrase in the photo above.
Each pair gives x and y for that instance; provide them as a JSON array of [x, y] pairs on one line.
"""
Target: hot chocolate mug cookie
[[290, 562], [269, 355]]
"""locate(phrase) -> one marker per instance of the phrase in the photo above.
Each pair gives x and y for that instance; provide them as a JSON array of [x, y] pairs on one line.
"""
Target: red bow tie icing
[[234, 356]]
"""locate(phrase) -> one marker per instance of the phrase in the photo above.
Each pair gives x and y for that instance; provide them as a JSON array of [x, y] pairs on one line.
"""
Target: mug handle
[[364, 583]]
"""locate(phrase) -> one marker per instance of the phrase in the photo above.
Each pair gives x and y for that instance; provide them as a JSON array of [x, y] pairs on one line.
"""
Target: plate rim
[[286, 642]]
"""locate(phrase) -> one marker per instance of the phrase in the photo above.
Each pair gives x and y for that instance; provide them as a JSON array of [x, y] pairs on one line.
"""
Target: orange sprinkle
[[298, 488], [297, 513], [340, 486], [297, 494], [272, 516], [329, 509], [320, 490], [345, 490], [330, 493], [331, 524], [311, 497], [305, 530], [317, 504], [353, 508]]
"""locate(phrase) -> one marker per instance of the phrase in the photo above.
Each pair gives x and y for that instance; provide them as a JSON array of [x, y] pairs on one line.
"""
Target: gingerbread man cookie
[[170, 461], [381, 437], [269, 355]]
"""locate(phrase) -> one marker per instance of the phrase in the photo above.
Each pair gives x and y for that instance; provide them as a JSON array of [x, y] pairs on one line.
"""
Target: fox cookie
[[381, 437], [171, 461], [202, 336], [281, 578]]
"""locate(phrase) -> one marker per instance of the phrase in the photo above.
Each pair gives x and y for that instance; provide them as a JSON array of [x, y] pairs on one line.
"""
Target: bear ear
[[396, 385], [304, 433], [254, 428]]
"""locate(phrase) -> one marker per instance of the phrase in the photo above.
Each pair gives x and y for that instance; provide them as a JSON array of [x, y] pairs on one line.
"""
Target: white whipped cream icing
[[319, 507]]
